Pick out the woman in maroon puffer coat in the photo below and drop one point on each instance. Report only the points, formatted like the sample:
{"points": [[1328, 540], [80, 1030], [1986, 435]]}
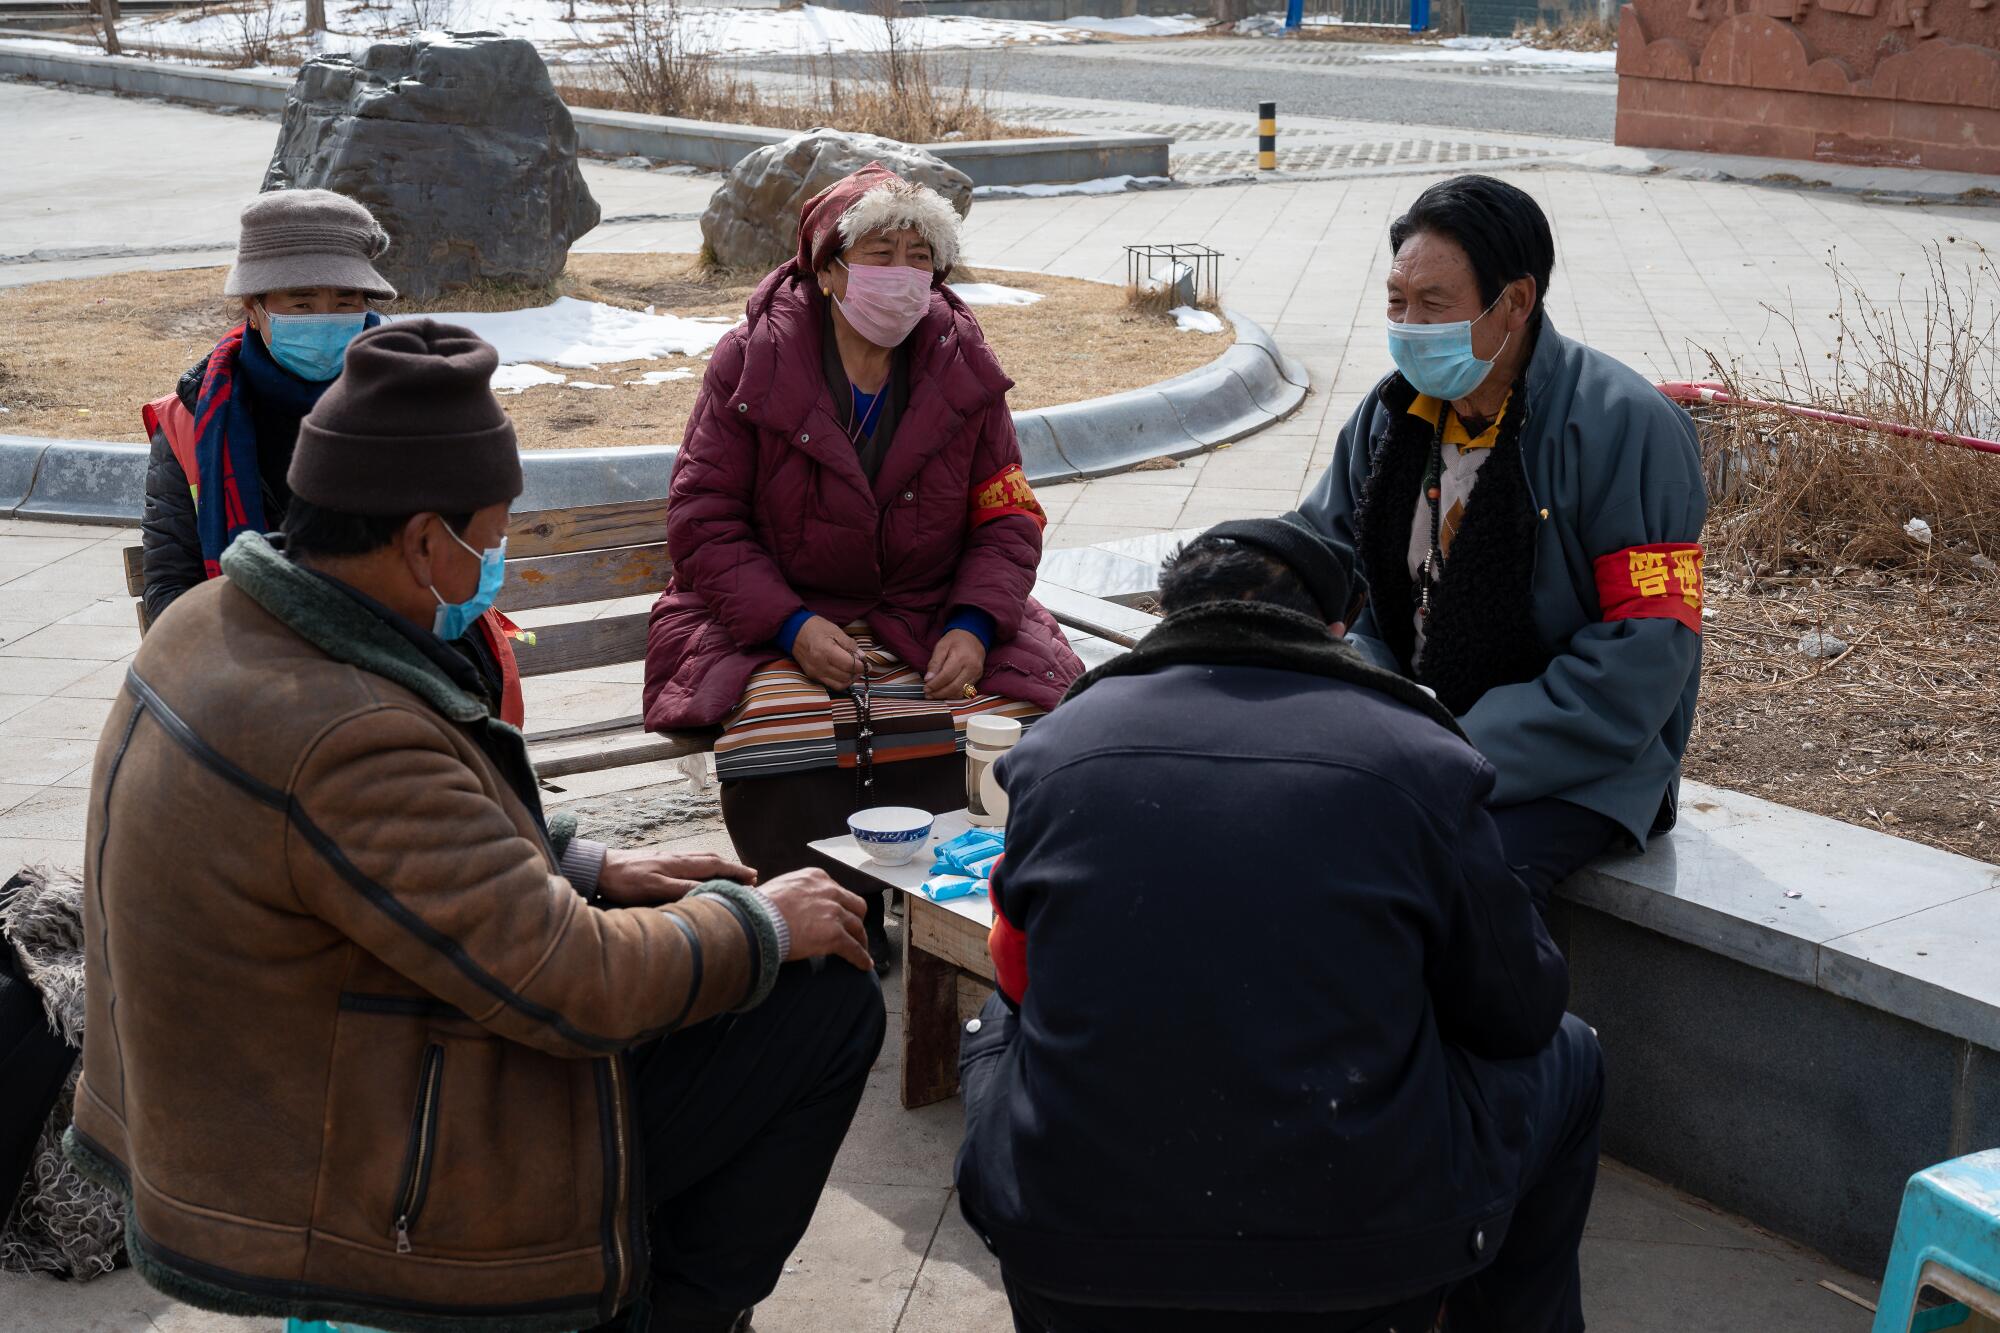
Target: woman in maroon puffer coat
{"points": [[850, 528]]}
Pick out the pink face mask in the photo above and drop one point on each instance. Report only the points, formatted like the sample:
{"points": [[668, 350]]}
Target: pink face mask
{"points": [[884, 302]]}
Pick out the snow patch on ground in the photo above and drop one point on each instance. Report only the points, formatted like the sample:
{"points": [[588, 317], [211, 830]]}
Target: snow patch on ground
{"points": [[663, 376], [1189, 320], [1138, 25], [1102, 185], [582, 335], [1452, 50], [356, 24], [992, 293], [1495, 51], [519, 378]]}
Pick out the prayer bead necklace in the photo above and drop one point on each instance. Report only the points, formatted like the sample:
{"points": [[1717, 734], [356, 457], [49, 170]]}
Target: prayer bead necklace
{"points": [[1433, 566]]}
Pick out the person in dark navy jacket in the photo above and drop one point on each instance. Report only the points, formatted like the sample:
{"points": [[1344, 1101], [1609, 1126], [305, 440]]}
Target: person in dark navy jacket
{"points": [[1280, 1041]]}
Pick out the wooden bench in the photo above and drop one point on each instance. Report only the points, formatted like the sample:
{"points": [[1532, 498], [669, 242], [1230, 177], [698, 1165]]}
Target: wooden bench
{"points": [[571, 557], [591, 554]]}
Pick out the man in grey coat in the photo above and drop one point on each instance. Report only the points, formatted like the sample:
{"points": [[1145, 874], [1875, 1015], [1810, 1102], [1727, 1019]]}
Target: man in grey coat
{"points": [[1528, 514]]}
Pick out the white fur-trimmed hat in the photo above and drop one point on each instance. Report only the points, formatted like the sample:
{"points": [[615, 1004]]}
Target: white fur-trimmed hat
{"points": [[875, 199]]}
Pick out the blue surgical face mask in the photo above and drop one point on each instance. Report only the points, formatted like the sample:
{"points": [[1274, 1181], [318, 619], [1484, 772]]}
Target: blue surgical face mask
{"points": [[312, 346], [453, 619], [1437, 359]]}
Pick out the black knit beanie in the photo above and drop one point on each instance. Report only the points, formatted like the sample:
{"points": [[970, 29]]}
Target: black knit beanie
{"points": [[1324, 565], [411, 426]]}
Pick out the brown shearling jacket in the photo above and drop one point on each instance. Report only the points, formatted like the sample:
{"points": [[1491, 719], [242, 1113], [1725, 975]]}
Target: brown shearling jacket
{"points": [[355, 1047]]}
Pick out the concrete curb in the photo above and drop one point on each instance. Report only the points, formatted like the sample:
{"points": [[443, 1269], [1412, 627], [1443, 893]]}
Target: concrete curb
{"points": [[135, 77], [1245, 389], [707, 144]]}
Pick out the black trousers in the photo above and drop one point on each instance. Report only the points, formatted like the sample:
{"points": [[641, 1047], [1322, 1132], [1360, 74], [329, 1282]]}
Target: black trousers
{"points": [[741, 1117], [1532, 1284], [1549, 840]]}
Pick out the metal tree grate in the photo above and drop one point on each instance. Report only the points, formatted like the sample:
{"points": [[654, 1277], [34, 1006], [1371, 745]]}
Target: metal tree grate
{"points": [[1196, 268]]}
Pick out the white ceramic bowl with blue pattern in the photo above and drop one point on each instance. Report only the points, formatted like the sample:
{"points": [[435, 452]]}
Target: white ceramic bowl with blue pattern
{"points": [[892, 835]]}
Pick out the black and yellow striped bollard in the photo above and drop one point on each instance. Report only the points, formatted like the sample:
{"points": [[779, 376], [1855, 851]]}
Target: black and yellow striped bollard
{"points": [[1267, 136]]}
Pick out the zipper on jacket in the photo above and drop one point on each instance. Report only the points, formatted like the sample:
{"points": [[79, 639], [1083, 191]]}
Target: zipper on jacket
{"points": [[618, 1227], [423, 1144]]}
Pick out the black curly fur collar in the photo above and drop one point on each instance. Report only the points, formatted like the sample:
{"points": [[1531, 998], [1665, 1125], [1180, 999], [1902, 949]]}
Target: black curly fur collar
{"points": [[1481, 632]]}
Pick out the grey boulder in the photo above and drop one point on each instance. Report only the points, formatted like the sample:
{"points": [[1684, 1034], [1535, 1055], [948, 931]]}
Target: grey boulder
{"points": [[457, 144], [752, 220]]}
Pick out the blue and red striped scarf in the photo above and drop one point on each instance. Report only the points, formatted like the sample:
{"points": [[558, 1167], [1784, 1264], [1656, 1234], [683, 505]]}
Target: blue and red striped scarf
{"points": [[229, 498]]}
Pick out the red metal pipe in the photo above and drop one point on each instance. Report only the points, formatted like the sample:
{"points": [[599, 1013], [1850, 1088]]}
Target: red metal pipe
{"points": [[1708, 391]]}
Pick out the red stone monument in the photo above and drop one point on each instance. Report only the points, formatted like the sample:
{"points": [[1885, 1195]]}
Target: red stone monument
{"points": [[1905, 83]]}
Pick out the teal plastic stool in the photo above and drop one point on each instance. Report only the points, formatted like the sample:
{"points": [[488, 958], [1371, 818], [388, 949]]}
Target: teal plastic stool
{"points": [[321, 1326], [1947, 1238]]}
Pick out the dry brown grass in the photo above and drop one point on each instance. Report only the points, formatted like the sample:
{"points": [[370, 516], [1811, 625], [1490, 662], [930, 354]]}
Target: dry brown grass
{"points": [[1372, 34], [1806, 534], [1585, 34], [1158, 300], [1900, 733], [79, 358], [855, 106]]}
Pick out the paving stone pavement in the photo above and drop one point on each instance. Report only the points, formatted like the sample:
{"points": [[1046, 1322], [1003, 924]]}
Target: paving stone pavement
{"points": [[1653, 270]]}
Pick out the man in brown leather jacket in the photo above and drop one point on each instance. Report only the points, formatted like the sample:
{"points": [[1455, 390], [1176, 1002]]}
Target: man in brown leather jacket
{"points": [[370, 1038]]}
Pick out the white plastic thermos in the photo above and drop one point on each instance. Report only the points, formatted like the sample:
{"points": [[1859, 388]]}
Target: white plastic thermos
{"points": [[986, 739]]}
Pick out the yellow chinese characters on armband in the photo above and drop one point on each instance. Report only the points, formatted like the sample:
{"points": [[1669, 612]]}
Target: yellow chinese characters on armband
{"points": [[1006, 492], [1661, 581]]}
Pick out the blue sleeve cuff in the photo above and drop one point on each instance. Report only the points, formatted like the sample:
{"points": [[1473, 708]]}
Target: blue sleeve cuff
{"points": [[788, 633], [974, 622]]}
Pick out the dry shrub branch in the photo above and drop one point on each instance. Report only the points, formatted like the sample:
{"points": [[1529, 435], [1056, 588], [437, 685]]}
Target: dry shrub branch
{"points": [[902, 93], [658, 70], [1790, 493], [658, 66], [1893, 719]]}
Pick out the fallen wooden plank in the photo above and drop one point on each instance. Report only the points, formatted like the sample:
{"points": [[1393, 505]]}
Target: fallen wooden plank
{"points": [[1105, 620], [1845, 1294]]}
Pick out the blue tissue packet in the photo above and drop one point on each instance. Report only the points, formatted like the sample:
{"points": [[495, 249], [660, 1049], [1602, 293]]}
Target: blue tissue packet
{"points": [[944, 888], [972, 853]]}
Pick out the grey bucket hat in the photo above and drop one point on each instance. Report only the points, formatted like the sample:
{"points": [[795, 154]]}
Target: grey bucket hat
{"points": [[307, 238]]}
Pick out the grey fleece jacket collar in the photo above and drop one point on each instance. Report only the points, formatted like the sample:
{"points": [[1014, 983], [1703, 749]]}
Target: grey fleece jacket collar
{"points": [[341, 627]]}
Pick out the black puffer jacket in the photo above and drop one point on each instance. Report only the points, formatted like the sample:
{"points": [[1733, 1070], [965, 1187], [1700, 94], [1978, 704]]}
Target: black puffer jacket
{"points": [[1279, 978], [167, 528]]}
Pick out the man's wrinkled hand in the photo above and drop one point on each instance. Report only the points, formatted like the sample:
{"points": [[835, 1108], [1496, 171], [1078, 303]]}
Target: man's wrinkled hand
{"points": [[645, 876], [960, 660], [824, 918], [825, 652]]}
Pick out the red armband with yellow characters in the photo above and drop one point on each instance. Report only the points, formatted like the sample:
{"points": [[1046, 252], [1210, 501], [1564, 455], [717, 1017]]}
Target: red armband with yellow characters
{"points": [[1657, 582], [1006, 492]]}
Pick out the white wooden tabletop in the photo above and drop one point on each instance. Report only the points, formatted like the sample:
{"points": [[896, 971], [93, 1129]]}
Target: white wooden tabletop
{"points": [[910, 876]]}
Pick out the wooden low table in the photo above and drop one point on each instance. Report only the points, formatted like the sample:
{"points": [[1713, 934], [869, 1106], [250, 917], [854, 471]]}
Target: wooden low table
{"points": [[947, 973]]}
